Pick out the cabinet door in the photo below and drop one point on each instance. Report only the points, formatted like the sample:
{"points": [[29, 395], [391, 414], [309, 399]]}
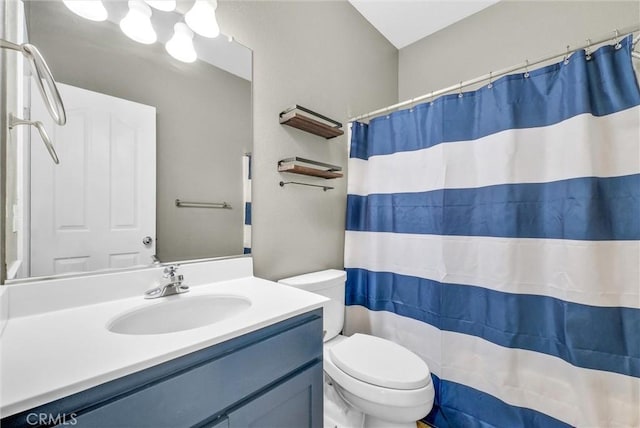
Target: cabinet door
{"points": [[295, 403]]}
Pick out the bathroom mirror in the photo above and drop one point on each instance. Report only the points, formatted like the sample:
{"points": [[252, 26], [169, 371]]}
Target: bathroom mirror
{"points": [[200, 134]]}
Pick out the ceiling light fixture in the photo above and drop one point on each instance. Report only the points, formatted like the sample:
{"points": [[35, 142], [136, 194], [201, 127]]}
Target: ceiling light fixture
{"points": [[137, 24], [163, 5], [180, 46], [89, 9], [202, 18]]}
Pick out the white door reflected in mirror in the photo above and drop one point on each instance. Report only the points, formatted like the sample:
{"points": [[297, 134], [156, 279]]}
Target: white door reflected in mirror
{"points": [[108, 147]]}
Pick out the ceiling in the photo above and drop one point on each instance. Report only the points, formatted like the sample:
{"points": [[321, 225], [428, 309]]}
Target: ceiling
{"points": [[404, 22]]}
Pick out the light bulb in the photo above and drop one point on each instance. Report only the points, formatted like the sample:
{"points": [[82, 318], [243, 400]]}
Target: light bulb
{"points": [[163, 5], [180, 46], [89, 9], [202, 18], [137, 24]]}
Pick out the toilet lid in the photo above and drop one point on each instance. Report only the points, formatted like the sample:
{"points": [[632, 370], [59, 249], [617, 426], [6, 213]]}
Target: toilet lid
{"points": [[380, 362]]}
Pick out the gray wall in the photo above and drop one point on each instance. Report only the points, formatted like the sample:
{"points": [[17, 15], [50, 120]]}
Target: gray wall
{"points": [[503, 35], [325, 56], [203, 123]]}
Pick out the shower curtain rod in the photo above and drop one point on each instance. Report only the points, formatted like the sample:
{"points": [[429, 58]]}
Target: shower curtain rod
{"points": [[494, 75]]}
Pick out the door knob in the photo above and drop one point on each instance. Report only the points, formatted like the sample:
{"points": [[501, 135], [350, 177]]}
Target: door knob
{"points": [[147, 241]]}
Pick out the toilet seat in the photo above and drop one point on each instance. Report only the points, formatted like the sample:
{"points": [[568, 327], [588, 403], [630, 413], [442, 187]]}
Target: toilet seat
{"points": [[382, 397], [380, 362]]}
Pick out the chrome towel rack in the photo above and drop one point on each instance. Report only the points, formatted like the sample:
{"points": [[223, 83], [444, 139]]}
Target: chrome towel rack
{"points": [[325, 188], [48, 89], [14, 121], [185, 204], [50, 92]]}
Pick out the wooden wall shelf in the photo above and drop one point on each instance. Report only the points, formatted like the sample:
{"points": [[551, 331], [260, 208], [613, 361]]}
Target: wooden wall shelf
{"points": [[298, 117], [302, 166]]}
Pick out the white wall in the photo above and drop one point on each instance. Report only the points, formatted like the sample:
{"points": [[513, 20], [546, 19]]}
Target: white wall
{"points": [[325, 56], [505, 34]]}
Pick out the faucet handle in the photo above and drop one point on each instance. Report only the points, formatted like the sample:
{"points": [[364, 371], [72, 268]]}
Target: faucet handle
{"points": [[170, 271]]}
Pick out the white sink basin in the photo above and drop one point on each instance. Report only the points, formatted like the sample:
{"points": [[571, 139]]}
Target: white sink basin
{"points": [[178, 313]]}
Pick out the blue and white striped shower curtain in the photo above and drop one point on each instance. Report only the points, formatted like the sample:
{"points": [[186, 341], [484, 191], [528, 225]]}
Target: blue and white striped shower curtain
{"points": [[497, 235]]}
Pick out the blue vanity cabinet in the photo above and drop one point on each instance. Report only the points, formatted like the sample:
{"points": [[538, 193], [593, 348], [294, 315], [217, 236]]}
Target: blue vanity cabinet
{"points": [[269, 378]]}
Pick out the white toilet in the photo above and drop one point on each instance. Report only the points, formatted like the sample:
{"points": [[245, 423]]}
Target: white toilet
{"points": [[388, 383]]}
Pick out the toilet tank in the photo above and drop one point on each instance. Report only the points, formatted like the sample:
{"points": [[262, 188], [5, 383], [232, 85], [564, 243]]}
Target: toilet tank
{"points": [[329, 283]]}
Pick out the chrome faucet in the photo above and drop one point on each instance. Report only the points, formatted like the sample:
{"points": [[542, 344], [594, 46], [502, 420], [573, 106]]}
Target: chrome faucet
{"points": [[174, 286]]}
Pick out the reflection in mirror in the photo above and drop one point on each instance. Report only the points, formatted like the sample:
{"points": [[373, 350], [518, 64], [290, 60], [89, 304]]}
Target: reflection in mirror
{"points": [[143, 131]]}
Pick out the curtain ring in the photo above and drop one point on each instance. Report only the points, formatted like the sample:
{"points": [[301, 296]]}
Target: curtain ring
{"points": [[431, 102], [616, 40], [587, 50], [460, 90], [566, 57], [490, 85], [526, 68]]}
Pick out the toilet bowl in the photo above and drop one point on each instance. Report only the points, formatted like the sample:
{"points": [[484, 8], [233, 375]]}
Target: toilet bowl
{"points": [[392, 388], [389, 384]]}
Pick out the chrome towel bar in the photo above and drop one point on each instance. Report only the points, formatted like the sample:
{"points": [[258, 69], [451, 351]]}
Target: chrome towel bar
{"points": [[15, 121], [44, 79], [185, 204]]}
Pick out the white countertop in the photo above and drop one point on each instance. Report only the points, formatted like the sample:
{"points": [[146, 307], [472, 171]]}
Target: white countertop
{"points": [[50, 355]]}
